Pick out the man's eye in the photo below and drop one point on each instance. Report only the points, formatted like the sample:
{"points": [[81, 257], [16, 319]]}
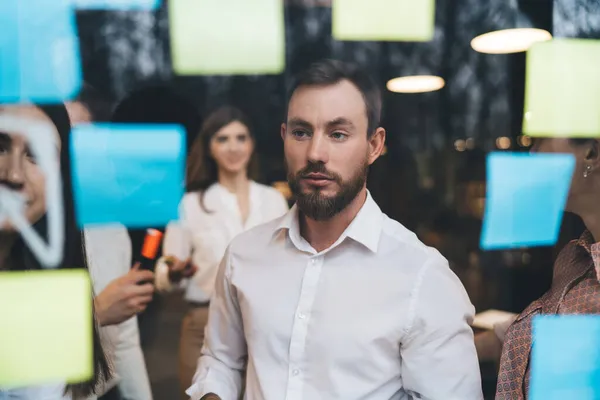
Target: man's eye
{"points": [[339, 135], [299, 133]]}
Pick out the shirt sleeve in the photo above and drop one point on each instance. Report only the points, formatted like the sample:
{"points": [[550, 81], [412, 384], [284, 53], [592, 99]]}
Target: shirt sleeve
{"points": [[130, 364], [439, 360], [224, 353], [123, 339]]}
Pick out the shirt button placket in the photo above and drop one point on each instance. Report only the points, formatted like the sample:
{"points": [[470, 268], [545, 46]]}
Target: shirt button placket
{"points": [[299, 330]]}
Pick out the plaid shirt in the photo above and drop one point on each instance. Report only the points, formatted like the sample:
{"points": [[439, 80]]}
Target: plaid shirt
{"points": [[575, 290]]}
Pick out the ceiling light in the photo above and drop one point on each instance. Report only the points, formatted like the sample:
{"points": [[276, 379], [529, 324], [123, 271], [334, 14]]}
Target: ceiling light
{"points": [[503, 143], [509, 40], [415, 84], [524, 141], [460, 145]]}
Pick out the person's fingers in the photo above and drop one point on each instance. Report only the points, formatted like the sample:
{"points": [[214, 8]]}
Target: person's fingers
{"points": [[141, 308], [143, 300], [146, 289], [190, 271], [141, 275], [179, 266], [136, 266], [171, 260]]}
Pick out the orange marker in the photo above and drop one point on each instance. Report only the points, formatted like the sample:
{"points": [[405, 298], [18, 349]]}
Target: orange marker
{"points": [[150, 248]]}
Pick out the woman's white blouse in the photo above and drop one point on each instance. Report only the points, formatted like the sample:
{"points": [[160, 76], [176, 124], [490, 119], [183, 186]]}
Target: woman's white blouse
{"points": [[203, 235]]}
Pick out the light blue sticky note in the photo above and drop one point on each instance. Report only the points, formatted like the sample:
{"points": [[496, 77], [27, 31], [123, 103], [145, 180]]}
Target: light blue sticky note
{"points": [[39, 51], [525, 199], [121, 5], [127, 173], [565, 358]]}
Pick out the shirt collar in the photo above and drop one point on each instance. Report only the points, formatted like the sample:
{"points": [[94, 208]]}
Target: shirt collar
{"points": [[586, 240], [364, 229]]}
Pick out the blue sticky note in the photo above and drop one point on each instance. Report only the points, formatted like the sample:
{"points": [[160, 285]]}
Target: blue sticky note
{"points": [[127, 173], [525, 199], [121, 5], [39, 51], [565, 358]]}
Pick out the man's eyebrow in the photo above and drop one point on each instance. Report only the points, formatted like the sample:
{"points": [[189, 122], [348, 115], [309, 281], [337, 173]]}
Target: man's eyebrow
{"points": [[300, 122], [341, 121]]}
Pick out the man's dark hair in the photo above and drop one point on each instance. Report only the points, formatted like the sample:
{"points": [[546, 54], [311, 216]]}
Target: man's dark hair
{"points": [[330, 72]]}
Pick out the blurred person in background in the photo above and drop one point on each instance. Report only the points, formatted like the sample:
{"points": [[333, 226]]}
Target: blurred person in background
{"points": [[576, 281], [120, 297], [154, 104], [222, 200], [20, 172], [90, 105]]}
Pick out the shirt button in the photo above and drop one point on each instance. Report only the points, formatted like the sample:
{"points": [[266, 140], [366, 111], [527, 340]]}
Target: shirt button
{"points": [[295, 372], [301, 315], [313, 260]]}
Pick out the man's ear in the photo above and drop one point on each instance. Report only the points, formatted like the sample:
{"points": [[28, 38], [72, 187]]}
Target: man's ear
{"points": [[376, 144], [283, 130]]}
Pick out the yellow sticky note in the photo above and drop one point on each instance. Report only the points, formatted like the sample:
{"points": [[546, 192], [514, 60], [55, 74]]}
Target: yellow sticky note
{"points": [[227, 37], [562, 89], [45, 327], [383, 20]]}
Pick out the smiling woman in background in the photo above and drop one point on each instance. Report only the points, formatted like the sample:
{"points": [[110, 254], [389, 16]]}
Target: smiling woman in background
{"points": [[222, 201], [19, 172]]}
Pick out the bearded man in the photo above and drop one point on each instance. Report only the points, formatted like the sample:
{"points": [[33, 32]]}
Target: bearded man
{"points": [[335, 300]]}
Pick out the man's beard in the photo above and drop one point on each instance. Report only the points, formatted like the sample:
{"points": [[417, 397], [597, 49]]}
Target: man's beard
{"points": [[319, 207]]}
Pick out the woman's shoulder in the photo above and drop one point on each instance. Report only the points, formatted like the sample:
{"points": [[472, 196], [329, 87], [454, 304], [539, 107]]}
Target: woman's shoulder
{"points": [[190, 203], [267, 191]]}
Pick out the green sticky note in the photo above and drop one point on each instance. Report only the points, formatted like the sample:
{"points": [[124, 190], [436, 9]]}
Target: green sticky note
{"points": [[227, 37], [383, 20], [562, 89], [45, 327]]}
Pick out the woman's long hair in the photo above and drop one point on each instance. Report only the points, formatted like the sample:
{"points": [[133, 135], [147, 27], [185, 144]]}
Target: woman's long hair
{"points": [[73, 248], [202, 170]]}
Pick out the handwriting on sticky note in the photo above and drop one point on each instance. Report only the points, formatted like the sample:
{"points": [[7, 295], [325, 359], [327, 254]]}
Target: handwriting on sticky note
{"points": [[565, 359], [131, 174], [46, 327], [227, 37], [525, 199], [383, 20], [42, 33], [562, 90], [42, 143]]}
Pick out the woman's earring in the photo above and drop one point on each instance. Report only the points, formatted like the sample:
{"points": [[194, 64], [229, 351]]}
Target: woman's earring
{"points": [[587, 171]]}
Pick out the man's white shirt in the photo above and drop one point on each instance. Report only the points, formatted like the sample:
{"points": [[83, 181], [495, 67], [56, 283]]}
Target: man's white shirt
{"points": [[378, 315]]}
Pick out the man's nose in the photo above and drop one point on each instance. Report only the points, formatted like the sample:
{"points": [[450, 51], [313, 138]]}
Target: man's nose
{"points": [[318, 150]]}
